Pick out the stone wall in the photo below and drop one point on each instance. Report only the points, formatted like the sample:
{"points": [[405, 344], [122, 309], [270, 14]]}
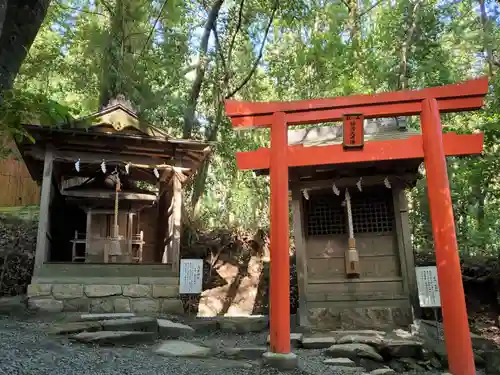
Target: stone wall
{"points": [[105, 298]]}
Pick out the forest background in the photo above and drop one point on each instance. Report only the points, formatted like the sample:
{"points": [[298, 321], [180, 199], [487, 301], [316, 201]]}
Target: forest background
{"points": [[177, 61]]}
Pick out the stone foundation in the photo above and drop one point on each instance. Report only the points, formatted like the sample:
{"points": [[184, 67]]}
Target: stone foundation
{"points": [[360, 318], [147, 298]]}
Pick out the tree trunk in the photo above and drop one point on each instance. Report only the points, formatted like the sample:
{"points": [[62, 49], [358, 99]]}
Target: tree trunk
{"points": [[194, 93], [486, 37], [20, 21], [405, 48]]}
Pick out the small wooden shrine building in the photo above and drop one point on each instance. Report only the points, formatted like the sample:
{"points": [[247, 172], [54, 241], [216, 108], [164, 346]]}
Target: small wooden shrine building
{"points": [[110, 211]]}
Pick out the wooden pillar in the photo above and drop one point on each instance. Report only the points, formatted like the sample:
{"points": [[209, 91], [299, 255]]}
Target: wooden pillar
{"points": [[162, 224], [405, 246], [455, 321], [88, 234], [176, 220], [300, 255], [280, 258], [42, 243]]}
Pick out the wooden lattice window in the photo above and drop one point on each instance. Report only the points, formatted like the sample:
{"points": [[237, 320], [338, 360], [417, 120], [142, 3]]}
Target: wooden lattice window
{"points": [[372, 212]]}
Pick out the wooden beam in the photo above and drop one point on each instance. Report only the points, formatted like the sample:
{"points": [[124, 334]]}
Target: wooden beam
{"points": [[396, 149], [351, 181], [373, 111], [97, 158], [109, 195], [42, 244], [300, 255], [471, 88]]}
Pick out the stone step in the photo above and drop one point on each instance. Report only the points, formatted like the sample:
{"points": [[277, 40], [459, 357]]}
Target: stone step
{"points": [[111, 338], [168, 329], [74, 328], [104, 316], [137, 323]]}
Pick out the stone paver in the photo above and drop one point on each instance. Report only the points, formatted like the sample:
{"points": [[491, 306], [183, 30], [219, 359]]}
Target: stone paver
{"points": [[177, 348], [341, 362], [137, 323], [172, 330], [318, 342]]}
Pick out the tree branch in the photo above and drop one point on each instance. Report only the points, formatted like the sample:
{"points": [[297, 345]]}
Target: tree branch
{"points": [[259, 57], [236, 31], [194, 92], [370, 8], [218, 46], [61, 5], [346, 4]]}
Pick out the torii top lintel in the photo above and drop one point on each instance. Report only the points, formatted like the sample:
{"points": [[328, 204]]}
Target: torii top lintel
{"points": [[465, 96]]}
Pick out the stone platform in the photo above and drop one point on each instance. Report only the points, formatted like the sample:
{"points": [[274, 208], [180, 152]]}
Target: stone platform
{"points": [[105, 288]]}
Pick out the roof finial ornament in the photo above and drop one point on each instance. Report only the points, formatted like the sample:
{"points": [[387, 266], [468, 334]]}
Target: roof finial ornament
{"points": [[120, 99]]}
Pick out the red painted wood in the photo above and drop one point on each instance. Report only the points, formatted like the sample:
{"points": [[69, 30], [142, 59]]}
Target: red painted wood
{"points": [[400, 149], [374, 111], [456, 325], [280, 258], [475, 87]]}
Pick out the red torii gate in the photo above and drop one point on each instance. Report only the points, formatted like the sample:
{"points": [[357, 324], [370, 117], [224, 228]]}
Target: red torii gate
{"points": [[433, 146]]}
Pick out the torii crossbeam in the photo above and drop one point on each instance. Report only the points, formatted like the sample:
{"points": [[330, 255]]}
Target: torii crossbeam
{"points": [[433, 146]]}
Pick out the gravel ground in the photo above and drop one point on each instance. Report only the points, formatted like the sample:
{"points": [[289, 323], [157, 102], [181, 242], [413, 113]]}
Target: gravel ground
{"points": [[26, 349]]}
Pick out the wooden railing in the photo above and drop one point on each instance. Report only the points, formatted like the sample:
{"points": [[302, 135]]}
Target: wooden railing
{"points": [[134, 247]]}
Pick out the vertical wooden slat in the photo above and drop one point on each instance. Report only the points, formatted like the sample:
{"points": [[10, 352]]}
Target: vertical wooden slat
{"points": [[300, 254], [18, 187], [177, 221], [42, 245]]}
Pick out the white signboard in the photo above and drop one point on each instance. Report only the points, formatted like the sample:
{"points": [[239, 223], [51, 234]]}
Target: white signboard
{"points": [[191, 278], [428, 287]]}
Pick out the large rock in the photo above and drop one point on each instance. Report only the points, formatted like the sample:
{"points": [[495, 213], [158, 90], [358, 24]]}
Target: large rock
{"points": [[372, 340], [137, 290], [67, 291], [114, 338], [12, 305], [320, 342], [99, 305], [103, 290], [76, 304], [144, 324], [172, 330], [177, 348], [39, 290], [401, 348], [244, 324], [121, 305], [353, 351], [45, 304], [98, 317], [165, 291], [144, 305], [172, 306]]}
